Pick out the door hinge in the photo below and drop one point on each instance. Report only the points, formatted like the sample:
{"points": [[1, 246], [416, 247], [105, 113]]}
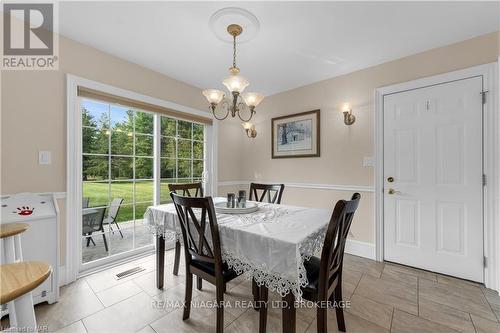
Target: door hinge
{"points": [[484, 179], [483, 96], [485, 262]]}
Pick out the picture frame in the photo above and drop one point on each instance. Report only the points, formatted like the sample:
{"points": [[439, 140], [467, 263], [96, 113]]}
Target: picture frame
{"points": [[296, 135]]}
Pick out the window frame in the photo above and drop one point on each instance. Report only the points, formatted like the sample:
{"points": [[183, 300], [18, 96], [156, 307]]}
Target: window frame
{"points": [[74, 266]]}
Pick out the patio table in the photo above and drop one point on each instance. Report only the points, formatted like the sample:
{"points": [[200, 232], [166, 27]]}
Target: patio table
{"points": [[270, 244]]}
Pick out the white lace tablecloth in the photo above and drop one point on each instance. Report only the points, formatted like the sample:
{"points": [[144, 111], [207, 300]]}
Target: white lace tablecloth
{"points": [[271, 244]]}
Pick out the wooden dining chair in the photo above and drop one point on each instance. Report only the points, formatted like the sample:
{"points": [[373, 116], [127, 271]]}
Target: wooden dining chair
{"points": [[324, 275], [276, 190], [187, 189], [203, 256]]}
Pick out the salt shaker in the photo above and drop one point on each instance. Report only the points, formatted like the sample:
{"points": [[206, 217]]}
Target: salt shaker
{"points": [[230, 200], [242, 199]]}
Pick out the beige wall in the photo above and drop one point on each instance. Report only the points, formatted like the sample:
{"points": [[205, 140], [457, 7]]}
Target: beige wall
{"points": [[343, 147]]}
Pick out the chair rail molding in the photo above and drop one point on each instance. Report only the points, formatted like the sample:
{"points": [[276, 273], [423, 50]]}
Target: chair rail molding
{"points": [[57, 195], [334, 187], [491, 161]]}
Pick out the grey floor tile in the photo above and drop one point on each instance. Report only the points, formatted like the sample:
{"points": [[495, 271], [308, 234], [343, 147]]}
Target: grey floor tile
{"points": [[389, 291], [494, 299], [353, 323], [118, 293], [378, 313], [147, 329], [456, 282], [363, 265], [249, 323], [445, 315], [76, 327], [147, 282], [484, 325], [76, 301], [394, 268], [470, 300], [404, 322], [129, 315], [201, 319]]}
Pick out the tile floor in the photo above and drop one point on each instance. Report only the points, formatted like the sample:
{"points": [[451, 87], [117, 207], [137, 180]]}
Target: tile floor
{"points": [[384, 297]]}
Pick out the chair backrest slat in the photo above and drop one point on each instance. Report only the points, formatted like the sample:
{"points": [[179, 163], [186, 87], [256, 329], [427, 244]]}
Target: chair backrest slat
{"points": [[199, 228], [187, 188], [266, 189], [332, 255]]}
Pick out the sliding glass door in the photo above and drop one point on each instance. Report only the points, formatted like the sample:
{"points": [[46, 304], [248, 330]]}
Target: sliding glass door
{"points": [[182, 154], [118, 178]]}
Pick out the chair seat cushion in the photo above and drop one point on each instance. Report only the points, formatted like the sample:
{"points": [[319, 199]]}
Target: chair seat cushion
{"points": [[312, 270], [227, 273]]}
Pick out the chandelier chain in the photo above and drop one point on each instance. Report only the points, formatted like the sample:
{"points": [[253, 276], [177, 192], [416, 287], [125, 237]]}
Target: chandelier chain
{"points": [[234, 51]]}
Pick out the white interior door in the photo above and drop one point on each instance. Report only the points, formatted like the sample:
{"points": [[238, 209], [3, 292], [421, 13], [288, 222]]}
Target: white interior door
{"points": [[433, 205]]}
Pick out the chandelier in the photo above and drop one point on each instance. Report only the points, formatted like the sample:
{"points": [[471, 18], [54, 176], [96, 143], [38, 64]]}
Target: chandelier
{"points": [[242, 104]]}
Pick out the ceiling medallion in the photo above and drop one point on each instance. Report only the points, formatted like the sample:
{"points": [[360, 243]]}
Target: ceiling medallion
{"points": [[239, 103], [226, 16]]}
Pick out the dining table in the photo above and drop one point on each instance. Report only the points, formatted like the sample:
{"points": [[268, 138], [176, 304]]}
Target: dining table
{"points": [[270, 245]]}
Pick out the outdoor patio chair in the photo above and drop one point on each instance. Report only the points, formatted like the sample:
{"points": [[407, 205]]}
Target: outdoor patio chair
{"points": [[85, 202], [92, 221], [113, 213]]}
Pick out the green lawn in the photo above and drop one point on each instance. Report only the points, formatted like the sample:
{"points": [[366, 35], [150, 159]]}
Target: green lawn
{"points": [[99, 195]]}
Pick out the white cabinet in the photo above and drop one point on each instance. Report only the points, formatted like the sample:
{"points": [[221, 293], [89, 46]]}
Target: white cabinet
{"points": [[41, 241]]}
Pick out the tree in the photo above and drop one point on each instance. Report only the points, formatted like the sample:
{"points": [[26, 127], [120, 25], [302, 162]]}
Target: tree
{"points": [[283, 129]]}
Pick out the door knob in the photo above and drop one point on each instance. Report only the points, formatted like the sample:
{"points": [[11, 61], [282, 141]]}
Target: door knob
{"points": [[393, 191], [390, 179]]}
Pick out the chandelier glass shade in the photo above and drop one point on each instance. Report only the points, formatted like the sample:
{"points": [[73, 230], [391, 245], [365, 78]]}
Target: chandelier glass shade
{"points": [[213, 96], [252, 99], [239, 103], [236, 83]]}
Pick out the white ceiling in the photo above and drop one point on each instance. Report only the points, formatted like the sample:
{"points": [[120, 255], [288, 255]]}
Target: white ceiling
{"points": [[298, 43]]}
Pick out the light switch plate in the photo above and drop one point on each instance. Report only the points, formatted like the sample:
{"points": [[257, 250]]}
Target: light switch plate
{"points": [[44, 157], [368, 161]]}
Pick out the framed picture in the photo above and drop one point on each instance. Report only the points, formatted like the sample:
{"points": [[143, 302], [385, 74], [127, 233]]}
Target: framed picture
{"points": [[296, 135]]}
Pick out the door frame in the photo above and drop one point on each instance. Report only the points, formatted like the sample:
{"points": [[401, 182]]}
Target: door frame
{"points": [[74, 170], [491, 161]]}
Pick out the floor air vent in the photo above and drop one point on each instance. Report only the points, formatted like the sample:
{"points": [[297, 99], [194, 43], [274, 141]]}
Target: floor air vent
{"points": [[128, 272]]}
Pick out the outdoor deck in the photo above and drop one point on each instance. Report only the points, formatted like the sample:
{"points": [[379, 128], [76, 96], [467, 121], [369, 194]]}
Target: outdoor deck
{"points": [[116, 243]]}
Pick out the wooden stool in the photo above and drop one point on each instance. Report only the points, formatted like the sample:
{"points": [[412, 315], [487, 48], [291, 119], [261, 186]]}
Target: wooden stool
{"points": [[10, 234], [17, 280]]}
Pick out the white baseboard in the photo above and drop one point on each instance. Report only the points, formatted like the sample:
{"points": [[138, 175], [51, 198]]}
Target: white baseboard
{"points": [[360, 249]]}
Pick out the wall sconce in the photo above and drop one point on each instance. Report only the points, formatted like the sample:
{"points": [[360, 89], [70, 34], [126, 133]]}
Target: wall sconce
{"points": [[250, 129], [349, 118]]}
